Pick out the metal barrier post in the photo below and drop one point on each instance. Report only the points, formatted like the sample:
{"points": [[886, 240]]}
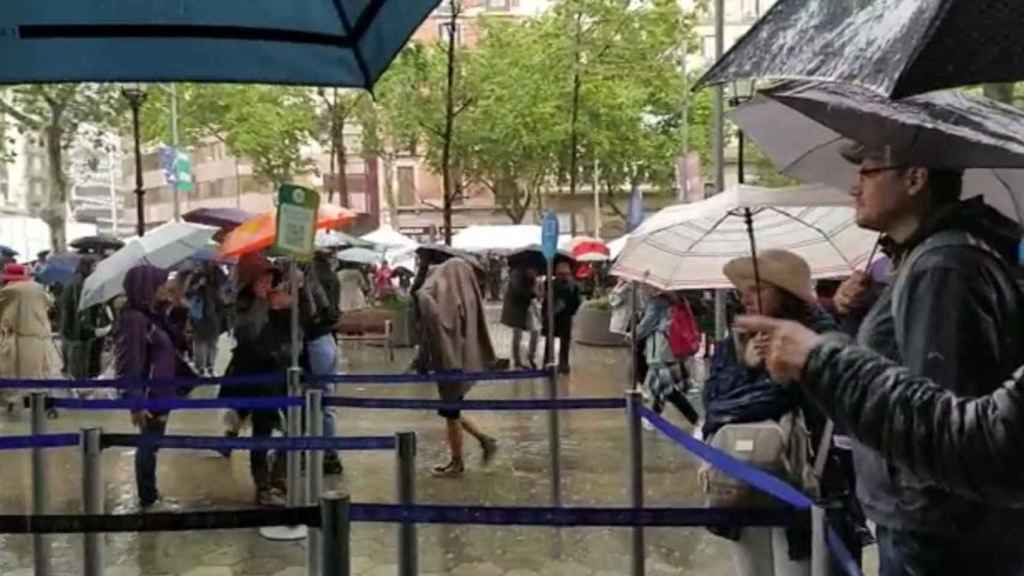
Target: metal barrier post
{"points": [[40, 545], [408, 549], [92, 497], [554, 443], [335, 526], [314, 476], [819, 547], [294, 431], [634, 401]]}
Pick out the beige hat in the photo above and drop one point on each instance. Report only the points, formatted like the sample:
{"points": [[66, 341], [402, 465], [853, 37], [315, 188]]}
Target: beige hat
{"points": [[780, 268]]}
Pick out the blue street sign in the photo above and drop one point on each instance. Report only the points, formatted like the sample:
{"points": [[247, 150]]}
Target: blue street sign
{"points": [[549, 235]]}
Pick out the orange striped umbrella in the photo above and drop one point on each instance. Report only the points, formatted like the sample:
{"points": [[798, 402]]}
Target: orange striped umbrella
{"points": [[259, 232]]}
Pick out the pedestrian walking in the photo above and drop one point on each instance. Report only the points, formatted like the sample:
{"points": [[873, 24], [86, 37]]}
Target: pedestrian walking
{"points": [[669, 336], [263, 335], [353, 288], [567, 303], [145, 350], [517, 314], [952, 313], [454, 338], [27, 350]]}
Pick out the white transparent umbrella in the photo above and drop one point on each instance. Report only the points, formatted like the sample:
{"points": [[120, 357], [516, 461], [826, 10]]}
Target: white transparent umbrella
{"points": [[166, 246], [686, 246]]}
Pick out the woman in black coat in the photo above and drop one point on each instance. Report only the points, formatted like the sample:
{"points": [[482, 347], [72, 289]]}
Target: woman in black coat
{"points": [[567, 302], [516, 314]]}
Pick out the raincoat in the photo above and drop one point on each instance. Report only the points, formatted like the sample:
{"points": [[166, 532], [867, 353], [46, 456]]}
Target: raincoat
{"points": [[352, 291], [453, 325], [145, 342], [26, 343]]}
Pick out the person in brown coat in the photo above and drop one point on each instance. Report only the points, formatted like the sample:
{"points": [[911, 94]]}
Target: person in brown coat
{"points": [[454, 338]]}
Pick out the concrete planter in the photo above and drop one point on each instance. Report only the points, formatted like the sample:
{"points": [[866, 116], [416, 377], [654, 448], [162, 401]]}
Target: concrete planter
{"points": [[590, 327]]}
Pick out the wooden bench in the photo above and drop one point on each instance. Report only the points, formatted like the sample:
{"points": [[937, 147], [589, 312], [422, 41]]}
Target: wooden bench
{"points": [[373, 326]]}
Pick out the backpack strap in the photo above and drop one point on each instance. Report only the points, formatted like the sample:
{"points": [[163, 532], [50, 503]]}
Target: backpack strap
{"points": [[943, 239]]}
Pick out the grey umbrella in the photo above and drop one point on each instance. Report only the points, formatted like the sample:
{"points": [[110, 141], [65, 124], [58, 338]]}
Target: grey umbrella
{"points": [[803, 127], [894, 47]]}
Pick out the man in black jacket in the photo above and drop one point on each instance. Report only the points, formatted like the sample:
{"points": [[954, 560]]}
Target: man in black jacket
{"points": [[953, 313]]}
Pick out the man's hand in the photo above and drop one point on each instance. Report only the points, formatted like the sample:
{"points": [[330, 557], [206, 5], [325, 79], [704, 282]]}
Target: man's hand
{"points": [[786, 345], [141, 417], [851, 293]]}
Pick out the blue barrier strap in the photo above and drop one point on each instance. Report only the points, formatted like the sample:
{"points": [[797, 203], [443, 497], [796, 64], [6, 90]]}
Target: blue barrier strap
{"points": [[431, 378], [129, 383], [40, 441], [530, 516], [493, 405], [271, 443], [168, 404], [731, 466], [840, 555]]}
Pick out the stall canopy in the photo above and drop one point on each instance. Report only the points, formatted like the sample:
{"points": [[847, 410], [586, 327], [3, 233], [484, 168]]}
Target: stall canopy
{"points": [[499, 239], [387, 237], [310, 42]]}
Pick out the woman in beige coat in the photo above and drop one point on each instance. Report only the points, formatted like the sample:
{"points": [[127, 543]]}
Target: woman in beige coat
{"points": [[27, 349]]}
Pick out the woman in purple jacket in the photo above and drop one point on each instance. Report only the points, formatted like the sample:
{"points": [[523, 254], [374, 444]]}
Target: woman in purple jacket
{"points": [[145, 351]]}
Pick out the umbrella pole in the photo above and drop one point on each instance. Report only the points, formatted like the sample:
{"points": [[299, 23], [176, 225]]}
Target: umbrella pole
{"points": [[749, 219]]}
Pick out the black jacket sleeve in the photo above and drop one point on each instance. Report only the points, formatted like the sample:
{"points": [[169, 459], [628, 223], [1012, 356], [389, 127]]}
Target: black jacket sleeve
{"points": [[969, 445]]}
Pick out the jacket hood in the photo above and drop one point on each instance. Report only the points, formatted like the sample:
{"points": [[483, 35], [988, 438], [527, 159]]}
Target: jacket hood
{"points": [[982, 221], [140, 285]]}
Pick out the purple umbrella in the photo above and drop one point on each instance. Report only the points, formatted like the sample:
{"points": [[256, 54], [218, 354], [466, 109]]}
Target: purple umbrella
{"points": [[225, 218]]}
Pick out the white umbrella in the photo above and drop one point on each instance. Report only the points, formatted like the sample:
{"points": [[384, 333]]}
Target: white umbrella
{"points": [[498, 238], [616, 246], [387, 237], [164, 247], [687, 245], [360, 256], [803, 127]]}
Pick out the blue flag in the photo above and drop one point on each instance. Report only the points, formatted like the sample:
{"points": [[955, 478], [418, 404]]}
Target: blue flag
{"points": [[635, 216]]}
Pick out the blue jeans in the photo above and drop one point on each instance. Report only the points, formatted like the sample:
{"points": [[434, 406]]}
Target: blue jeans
{"points": [[145, 461], [323, 355]]}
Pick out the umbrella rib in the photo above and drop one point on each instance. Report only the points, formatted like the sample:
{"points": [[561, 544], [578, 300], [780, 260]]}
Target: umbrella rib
{"points": [[87, 31], [373, 8], [1009, 191], [709, 231], [814, 149], [818, 230]]}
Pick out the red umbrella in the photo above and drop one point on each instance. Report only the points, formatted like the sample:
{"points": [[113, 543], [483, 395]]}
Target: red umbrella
{"points": [[587, 249]]}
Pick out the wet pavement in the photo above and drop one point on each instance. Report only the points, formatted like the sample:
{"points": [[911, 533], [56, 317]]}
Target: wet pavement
{"points": [[594, 474]]}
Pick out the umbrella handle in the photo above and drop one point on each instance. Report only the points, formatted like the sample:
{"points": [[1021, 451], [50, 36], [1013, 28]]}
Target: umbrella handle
{"points": [[749, 219]]}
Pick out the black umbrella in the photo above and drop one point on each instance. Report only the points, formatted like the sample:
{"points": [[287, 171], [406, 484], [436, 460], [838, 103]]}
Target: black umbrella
{"points": [[7, 251], [894, 47], [97, 244], [533, 257]]}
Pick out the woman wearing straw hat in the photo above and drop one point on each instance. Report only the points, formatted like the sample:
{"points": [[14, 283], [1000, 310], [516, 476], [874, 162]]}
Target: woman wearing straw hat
{"points": [[739, 391]]}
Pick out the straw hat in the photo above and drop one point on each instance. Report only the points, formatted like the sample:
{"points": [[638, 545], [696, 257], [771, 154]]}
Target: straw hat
{"points": [[14, 273], [780, 268]]}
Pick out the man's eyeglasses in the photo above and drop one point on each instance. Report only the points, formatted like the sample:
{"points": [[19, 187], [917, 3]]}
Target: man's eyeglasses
{"points": [[869, 172]]}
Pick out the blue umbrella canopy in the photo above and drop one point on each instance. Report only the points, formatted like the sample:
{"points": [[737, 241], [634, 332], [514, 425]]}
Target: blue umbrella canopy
{"points": [[313, 42]]}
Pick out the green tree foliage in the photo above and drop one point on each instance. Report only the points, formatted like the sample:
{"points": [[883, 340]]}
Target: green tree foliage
{"points": [[59, 114]]}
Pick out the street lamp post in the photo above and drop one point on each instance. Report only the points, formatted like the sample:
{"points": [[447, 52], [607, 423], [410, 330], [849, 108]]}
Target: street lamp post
{"points": [[135, 96]]}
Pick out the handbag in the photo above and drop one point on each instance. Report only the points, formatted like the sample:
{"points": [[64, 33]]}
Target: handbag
{"points": [[781, 448]]}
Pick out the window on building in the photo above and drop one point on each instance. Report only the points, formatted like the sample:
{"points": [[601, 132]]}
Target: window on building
{"points": [[444, 35], [406, 186], [217, 188], [707, 47], [497, 4]]}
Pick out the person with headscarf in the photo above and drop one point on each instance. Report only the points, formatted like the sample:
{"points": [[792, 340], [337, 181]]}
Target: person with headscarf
{"points": [[26, 343], [146, 351], [263, 336], [454, 338]]}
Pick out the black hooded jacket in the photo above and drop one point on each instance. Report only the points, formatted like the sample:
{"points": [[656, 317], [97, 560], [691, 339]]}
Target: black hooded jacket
{"points": [[961, 325]]}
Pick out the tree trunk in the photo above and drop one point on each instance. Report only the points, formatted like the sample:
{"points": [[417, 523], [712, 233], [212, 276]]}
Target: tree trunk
{"points": [[573, 122], [388, 160], [54, 213], [449, 126], [342, 170]]}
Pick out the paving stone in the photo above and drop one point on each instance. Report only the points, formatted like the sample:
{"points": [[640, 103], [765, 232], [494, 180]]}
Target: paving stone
{"points": [[565, 568], [477, 569], [210, 571], [292, 571]]}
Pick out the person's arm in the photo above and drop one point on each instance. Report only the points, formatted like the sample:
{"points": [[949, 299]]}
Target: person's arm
{"points": [[131, 348], [969, 445]]}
